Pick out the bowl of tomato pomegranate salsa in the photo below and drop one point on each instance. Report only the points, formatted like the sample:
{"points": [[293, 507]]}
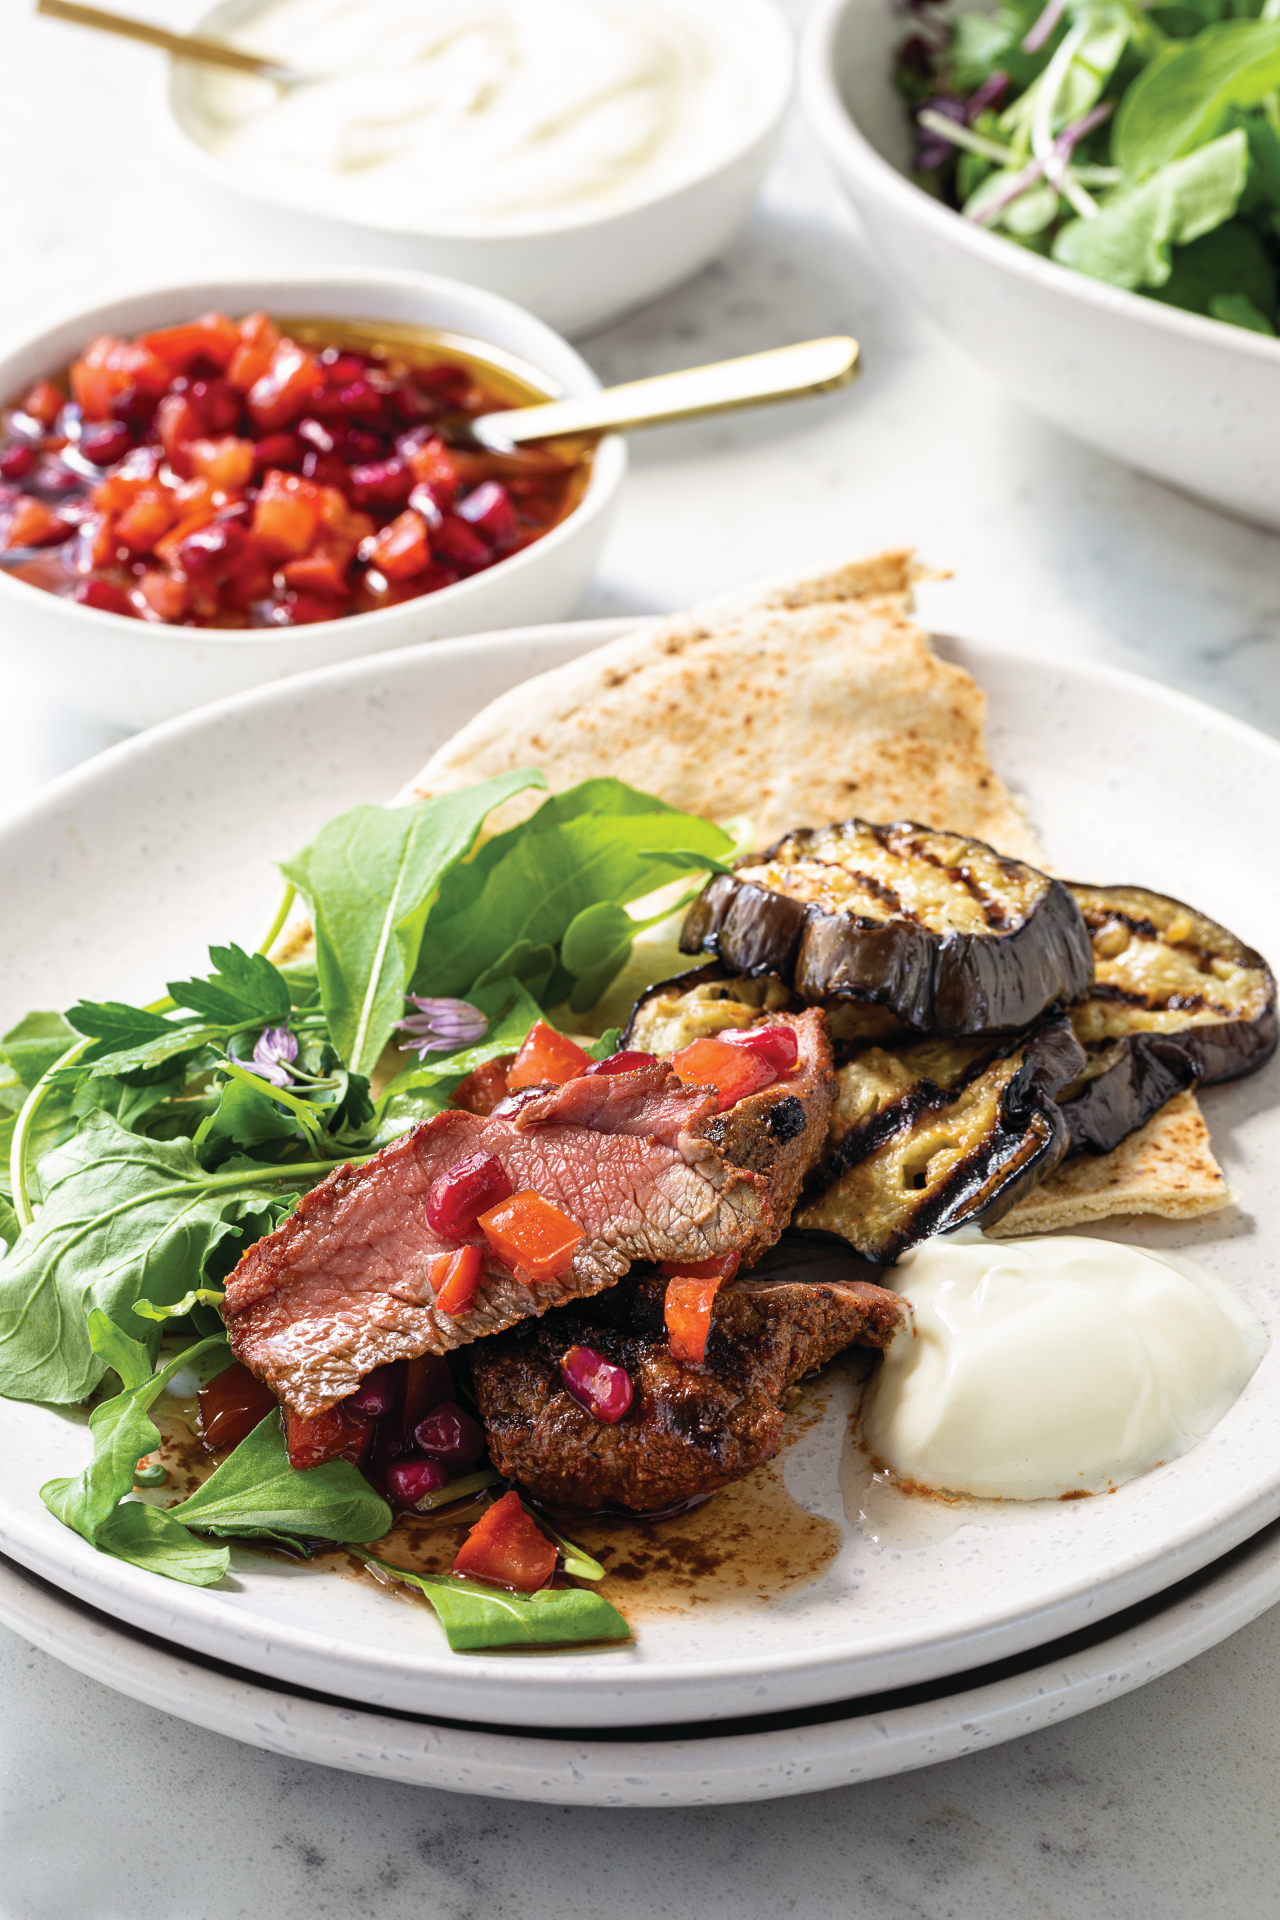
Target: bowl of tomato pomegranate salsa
{"points": [[214, 486]]}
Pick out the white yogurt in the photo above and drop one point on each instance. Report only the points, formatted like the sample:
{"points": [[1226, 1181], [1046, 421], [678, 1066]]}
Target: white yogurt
{"points": [[1053, 1365], [490, 116]]}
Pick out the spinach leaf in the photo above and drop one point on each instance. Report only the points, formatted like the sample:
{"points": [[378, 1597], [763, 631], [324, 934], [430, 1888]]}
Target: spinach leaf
{"points": [[1238, 310], [9, 1228], [1128, 242], [1231, 259], [475, 1616], [256, 1492], [123, 1217], [370, 878], [122, 1432], [1185, 97], [602, 842], [244, 991], [244, 1119], [34, 1046], [426, 1086]]}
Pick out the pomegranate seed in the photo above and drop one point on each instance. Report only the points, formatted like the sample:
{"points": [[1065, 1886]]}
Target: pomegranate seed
{"points": [[325, 469], [382, 483], [777, 1046], [423, 501], [211, 552], [450, 1436], [456, 541], [604, 1389], [464, 1191], [16, 462], [277, 450], [217, 404], [105, 597], [408, 1481], [52, 477], [359, 443], [360, 397], [104, 442], [316, 435], [625, 1062], [489, 510], [375, 1395]]}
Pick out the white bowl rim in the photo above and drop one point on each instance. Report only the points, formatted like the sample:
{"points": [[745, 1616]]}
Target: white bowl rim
{"points": [[838, 132], [760, 128], [608, 467]]}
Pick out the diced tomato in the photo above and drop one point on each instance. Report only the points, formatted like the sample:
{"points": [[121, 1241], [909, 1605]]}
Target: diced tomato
{"points": [[734, 1072], [454, 1278], [332, 1435], [628, 1061], [163, 596], [280, 395], [508, 1548], [528, 1233], [687, 1312], [286, 514], [776, 1045], [225, 463], [259, 338], [102, 542], [483, 1088], [167, 546], [44, 402], [722, 1269], [211, 337], [339, 518], [547, 1058], [402, 549], [32, 524], [316, 572], [106, 597], [434, 465], [231, 1405], [108, 368], [176, 422]]}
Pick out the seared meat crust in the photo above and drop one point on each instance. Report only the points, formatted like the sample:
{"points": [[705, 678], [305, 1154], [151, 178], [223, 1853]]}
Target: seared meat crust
{"points": [[690, 1429], [644, 1165]]}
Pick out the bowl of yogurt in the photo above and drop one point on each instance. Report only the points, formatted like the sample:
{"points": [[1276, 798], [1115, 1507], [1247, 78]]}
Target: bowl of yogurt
{"points": [[578, 156]]}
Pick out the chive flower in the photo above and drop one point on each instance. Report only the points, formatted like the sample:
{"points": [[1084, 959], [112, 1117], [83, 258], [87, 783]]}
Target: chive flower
{"points": [[441, 1025]]}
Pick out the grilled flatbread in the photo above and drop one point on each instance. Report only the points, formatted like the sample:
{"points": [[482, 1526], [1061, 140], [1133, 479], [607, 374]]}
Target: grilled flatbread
{"points": [[1166, 1168], [791, 704]]}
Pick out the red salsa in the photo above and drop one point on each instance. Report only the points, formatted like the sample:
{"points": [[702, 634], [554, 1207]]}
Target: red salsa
{"points": [[224, 474]]}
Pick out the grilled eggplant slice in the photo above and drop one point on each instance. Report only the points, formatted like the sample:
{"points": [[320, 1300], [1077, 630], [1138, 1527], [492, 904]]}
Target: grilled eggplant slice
{"points": [[710, 1000], [1177, 1001], [943, 932], [940, 1133]]}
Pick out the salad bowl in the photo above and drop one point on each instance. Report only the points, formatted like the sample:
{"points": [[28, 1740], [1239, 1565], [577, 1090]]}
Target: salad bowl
{"points": [[1186, 399], [136, 673]]}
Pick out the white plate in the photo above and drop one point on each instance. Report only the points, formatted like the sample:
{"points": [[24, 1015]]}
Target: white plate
{"points": [[119, 873], [672, 1766]]}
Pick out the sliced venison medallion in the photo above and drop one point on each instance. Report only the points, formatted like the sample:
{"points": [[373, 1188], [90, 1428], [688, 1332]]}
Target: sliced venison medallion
{"points": [[1177, 1001], [645, 1166], [689, 1429], [942, 931], [934, 1134]]}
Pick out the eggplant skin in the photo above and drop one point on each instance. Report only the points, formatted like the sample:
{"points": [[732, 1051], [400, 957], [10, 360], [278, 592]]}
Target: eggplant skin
{"points": [[1129, 1081], [937, 1156], [1025, 947]]}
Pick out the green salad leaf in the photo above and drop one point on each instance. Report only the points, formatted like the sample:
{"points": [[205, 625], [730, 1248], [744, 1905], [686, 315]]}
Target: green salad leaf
{"points": [[475, 1616], [246, 990], [1185, 98], [122, 1431], [370, 878], [256, 1493], [1129, 241], [123, 1217]]}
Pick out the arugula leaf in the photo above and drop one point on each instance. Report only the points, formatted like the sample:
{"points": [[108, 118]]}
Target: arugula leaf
{"points": [[244, 991], [123, 1217], [425, 1087], [370, 878], [35, 1045], [1238, 310], [1185, 97], [1231, 259], [244, 1118], [198, 1297], [122, 1431], [602, 842], [475, 1616], [256, 1492], [1128, 241]]}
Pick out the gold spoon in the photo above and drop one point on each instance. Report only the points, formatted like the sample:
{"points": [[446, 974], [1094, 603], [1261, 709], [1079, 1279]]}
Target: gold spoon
{"points": [[187, 46]]}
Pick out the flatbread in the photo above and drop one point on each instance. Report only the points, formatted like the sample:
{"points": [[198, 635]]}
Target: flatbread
{"points": [[1167, 1167], [792, 703]]}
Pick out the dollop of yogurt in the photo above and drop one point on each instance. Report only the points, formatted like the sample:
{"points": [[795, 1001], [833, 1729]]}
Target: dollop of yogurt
{"points": [[489, 116], [1055, 1365]]}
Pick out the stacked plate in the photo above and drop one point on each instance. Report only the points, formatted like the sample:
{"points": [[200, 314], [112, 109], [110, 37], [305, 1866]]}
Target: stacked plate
{"points": [[870, 1633]]}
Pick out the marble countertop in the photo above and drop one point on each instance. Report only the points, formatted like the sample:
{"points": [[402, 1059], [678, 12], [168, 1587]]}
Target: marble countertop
{"points": [[1161, 1804]]}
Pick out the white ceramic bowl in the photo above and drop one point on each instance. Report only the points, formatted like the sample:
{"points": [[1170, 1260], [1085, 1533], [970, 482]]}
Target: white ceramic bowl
{"points": [[576, 272], [1189, 400], [136, 673]]}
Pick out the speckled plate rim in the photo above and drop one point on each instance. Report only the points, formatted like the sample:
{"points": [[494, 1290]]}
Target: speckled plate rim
{"points": [[1162, 1527], [679, 1767]]}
